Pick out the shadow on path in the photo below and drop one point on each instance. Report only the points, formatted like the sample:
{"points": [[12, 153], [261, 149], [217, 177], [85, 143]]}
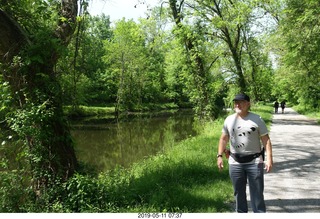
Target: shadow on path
{"points": [[293, 205], [293, 184]]}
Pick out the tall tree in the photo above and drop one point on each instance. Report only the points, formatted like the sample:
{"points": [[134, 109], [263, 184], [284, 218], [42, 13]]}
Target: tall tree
{"points": [[84, 76], [126, 54], [193, 41], [30, 45], [299, 29], [227, 20]]}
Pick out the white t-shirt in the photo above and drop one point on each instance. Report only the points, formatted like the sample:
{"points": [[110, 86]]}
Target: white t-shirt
{"points": [[244, 134]]}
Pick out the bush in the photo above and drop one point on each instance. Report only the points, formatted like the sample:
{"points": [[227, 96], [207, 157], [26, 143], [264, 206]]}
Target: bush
{"points": [[14, 195]]}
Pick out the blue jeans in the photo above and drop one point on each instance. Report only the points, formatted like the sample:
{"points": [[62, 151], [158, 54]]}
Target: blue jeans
{"points": [[253, 172]]}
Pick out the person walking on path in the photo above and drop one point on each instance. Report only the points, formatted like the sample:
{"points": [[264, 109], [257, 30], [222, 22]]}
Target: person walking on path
{"points": [[245, 131], [276, 106], [283, 105]]}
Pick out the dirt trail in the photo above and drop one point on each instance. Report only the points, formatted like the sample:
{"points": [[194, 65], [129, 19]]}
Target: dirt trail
{"points": [[294, 183]]}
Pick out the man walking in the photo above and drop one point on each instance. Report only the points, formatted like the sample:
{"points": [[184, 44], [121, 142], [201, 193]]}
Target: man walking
{"points": [[276, 106], [245, 131]]}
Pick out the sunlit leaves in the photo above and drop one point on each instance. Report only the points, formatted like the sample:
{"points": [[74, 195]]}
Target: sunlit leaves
{"points": [[126, 53], [300, 31]]}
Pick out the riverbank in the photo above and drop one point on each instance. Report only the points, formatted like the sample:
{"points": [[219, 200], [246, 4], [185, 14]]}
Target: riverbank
{"points": [[110, 111], [183, 179]]}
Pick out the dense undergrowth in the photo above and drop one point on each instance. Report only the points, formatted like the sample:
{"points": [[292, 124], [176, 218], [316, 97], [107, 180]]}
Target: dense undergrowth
{"points": [[183, 179]]}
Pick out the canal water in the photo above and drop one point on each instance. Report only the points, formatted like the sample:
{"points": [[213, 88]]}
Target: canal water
{"points": [[105, 144]]}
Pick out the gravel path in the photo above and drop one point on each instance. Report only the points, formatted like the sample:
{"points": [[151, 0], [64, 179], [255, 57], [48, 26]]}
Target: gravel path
{"points": [[294, 183]]}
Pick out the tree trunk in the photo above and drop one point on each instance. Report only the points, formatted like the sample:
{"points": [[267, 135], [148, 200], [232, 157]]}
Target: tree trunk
{"points": [[236, 55], [198, 72], [52, 146]]}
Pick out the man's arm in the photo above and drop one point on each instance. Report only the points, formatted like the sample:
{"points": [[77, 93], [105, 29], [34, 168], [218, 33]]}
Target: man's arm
{"points": [[268, 147], [224, 139]]}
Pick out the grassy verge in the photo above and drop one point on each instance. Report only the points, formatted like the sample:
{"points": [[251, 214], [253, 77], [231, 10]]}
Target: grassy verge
{"points": [[185, 179], [83, 111], [89, 111], [311, 113]]}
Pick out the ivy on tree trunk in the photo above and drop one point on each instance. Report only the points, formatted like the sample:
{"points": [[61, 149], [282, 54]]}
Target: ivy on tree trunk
{"points": [[27, 63]]}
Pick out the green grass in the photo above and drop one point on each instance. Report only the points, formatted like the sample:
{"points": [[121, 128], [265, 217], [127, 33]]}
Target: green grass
{"points": [[83, 111], [311, 113], [89, 111], [184, 179]]}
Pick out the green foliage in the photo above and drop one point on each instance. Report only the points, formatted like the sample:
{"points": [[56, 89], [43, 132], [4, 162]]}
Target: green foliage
{"points": [[144, 63], [298, 75], [176, 76], [28, 11], [83, 73], [140, 66], [137, 79], [14, 194], [310, 112], [33, 120], [5, 99], [15, 191], [32, 126], [84, 194]]}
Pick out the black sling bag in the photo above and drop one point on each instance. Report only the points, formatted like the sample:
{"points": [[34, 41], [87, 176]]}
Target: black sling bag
{"points": [[246, 158]]}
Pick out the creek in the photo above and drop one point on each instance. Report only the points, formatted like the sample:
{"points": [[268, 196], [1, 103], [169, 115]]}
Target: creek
{"points": [[107, 143]]}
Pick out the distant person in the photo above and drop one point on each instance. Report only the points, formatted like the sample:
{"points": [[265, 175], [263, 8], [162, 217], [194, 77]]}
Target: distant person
{"points": [[276, 106], [245, 131], [283, 105]]}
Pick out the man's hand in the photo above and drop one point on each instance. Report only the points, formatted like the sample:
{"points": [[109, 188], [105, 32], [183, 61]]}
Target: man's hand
{"points": [[220, 163], [268, 166]]}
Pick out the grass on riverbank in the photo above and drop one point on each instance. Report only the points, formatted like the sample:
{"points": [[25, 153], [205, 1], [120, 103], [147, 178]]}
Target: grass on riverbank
{"points": [[84, 111], [183, 179], [109, 111]]}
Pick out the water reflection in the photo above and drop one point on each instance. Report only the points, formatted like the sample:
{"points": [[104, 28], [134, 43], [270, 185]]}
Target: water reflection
{"points": [[105, 144]]}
